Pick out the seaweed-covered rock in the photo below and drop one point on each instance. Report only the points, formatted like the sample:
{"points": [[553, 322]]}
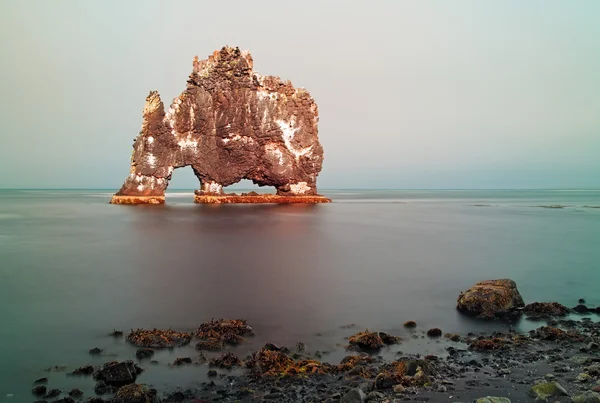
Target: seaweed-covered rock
{"points": [[410, 324], [157, 338], [217, 328], [210, 345], [546, 308], [227, 361], [435, 332], [136, 394], [366, 340], [552, 333], [490, 299]]}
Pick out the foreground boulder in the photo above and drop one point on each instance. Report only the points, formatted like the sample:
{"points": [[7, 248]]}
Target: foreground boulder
{"points": [[490, 299]]}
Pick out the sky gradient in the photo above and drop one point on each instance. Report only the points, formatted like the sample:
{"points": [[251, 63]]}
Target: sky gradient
{"points": [[422, 94]]}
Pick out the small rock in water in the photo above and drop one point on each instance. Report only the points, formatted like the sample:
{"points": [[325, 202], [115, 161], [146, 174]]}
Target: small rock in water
{"points": [[581, 309], [183, 360], [410, 324], [40, 381], [95, 351], [142, 353], [435, 332], [581, 301], [212, 373]]}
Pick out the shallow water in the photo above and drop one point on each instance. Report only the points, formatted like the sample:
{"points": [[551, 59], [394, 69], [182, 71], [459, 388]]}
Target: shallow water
{"points": [[73, 268]]}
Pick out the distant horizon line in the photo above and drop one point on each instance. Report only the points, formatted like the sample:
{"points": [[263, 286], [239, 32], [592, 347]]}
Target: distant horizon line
{"points": [[325, 189]]}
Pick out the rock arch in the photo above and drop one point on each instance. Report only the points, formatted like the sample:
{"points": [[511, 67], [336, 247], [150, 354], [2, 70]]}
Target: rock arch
{"points": [[229, 124]]}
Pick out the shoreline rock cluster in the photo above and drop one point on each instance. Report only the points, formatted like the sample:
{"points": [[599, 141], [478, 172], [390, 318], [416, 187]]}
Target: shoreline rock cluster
{"points": [[557, 362]]}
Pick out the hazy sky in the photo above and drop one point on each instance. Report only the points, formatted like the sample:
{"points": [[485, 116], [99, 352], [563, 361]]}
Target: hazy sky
{"points": [[420, 94]]}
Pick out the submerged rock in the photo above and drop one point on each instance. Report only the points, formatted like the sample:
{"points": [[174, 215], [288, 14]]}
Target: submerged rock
{"points": [[490, 299], [435, 332], [229, 124], [366, 340], [546, 308], [118, 373], [157, 338], [143, 353]]}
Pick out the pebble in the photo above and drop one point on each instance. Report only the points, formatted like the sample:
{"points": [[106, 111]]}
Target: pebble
{"points": [[399, 389]]}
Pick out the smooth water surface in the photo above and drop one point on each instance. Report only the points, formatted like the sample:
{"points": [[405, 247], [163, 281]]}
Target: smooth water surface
{"points": [[73, 268]]}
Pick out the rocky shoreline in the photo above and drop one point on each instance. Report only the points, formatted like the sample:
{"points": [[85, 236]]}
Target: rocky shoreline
{"points": [[558, 362]]}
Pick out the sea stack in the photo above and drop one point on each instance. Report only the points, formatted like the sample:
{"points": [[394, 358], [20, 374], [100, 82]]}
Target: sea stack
{"points": [[229, 124]]}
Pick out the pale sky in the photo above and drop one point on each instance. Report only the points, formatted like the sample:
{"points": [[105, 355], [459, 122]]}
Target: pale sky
{"points": [[419, 94]]}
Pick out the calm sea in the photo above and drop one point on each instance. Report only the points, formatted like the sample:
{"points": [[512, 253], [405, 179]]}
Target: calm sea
{"points": [[73, 268]]}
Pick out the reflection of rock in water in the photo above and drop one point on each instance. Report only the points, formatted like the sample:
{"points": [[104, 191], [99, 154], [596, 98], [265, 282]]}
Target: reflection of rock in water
{"points": [[266, 263], [229, 124]]}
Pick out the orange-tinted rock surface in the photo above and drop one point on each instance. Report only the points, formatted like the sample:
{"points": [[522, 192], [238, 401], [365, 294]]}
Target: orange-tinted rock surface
{"points": [[491, 298], [229, 124]]}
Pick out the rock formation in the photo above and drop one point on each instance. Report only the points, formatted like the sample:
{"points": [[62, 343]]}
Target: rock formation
{"points": [[229, 124], [490, 299]]}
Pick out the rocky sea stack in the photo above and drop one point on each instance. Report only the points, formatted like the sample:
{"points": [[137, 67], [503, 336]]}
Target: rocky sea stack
{"points": [[229, 124]]}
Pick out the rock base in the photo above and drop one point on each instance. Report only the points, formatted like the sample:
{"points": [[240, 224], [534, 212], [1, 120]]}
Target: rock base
{"points": [[137, 200], [259, 198]]}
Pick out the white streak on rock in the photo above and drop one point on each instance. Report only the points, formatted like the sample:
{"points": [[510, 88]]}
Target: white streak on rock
{"points": [[188, 143], [300, 188], [151, 160], [288, 131], [140, 188], [150, 139], [273, 149], [212, 187]]}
